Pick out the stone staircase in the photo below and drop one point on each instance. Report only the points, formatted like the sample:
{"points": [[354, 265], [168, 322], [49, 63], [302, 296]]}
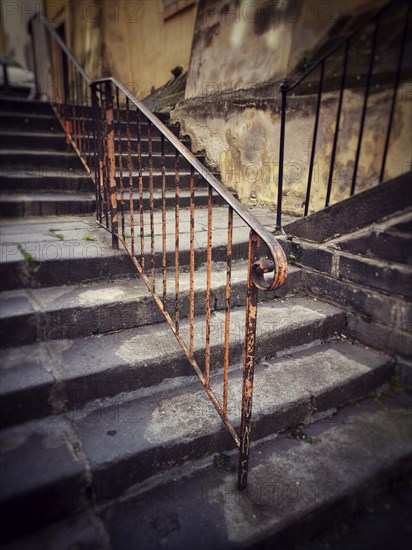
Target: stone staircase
{"points": [[108, 440]]}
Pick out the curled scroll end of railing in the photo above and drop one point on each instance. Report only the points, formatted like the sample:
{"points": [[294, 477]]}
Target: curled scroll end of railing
{"points": [[277, 265]]}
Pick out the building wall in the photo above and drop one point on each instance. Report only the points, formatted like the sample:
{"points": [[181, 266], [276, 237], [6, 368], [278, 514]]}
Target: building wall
{"points": [[240, 53], [14, 36], [128, 40]]}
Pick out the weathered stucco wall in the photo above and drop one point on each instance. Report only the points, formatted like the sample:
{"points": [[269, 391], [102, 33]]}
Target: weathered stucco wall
{"points": [[239, 44], [129, 40], [243, 145], [232, 106]]}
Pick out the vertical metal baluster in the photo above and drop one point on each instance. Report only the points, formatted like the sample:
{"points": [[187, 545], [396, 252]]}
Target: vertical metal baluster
{"points": [[76, 108], [177, 194], [164, 251], [192, 262], [208, 282], [140, 169], [227, 309], [96, 145], [111, 164], [336, 135], [283, 90], [81, 117], [120, 161], [249, 362], [365, 104], [130, 170], [152, 243], [87, 129], [105, 163], [73, 108], [315, 135], [395, 91]]}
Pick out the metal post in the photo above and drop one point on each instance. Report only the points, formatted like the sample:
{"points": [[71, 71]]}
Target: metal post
{"points": [[284, 86], [111, 166], [249, 362]]}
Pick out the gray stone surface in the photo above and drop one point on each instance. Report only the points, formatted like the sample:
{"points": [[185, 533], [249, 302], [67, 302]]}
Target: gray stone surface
{"points": [[294, 487], [356, 212], [104, 365], [42, 480], [142, 437], [82, 310]]}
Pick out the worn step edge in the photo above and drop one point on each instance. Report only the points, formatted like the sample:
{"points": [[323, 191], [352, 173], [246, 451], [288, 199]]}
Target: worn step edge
{"points": [[78, 311], [294, 489], [34, 375], [55, 263], [127, 445]]}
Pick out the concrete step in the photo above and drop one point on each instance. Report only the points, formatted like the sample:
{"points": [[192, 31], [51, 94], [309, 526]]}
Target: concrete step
{"points": [[45, 180], [45, 204], [82, 310], [29, 122], [33, 140], [30, 256], [119, 445], [22, 139], [296, 490], [25, 106], [389, 278], [49, 204], [14, 159], [381, 246], [146, 356]]}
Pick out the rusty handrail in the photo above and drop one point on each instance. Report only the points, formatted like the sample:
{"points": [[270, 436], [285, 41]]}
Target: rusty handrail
{"points": [[92, 101], [242, 211], [62, 45]]}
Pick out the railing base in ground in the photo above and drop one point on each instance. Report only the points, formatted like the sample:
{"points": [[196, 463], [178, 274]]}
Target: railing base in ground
{"points": [[134, 160]]}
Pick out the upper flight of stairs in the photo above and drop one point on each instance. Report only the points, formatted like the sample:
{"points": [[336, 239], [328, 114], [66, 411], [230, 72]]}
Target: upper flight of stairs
{"points": [[107, 437]]}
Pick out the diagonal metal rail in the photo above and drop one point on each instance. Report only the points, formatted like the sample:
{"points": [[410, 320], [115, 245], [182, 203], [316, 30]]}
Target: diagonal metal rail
{"points": [[118, 140]]}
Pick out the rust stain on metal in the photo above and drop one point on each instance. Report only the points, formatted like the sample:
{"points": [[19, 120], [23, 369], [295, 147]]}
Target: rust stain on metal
{"points": [[227, 310], [164, 252], [192, 262], [177, 194], [111, 164], [208, 282]]}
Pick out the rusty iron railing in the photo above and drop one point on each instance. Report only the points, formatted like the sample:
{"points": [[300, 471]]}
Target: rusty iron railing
{"points": [[319, 82], [115, 135]]}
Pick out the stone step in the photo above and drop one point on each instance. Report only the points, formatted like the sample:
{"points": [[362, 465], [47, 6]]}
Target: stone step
{"points": [[39, 140], [55, 204], [15, 180], [32, 376], [45, 204], [33, 140], [75, 311], [103, 452], [14, 159], [31, 256], [296, 491], [25, 106], [30, 122], [20, 181], [380, 246]]}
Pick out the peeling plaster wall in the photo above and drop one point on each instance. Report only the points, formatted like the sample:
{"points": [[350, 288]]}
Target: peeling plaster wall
{"points": [[129, 40], [231, 110], [243, 144]]}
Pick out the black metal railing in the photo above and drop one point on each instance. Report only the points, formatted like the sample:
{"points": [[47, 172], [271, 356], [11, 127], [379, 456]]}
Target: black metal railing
{"points": [[331, 75], [116, 135]]}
